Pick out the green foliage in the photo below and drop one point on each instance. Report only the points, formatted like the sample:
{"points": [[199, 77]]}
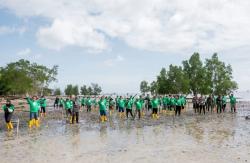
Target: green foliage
{"points": [[94, 89], [213, 77], [144, 87], [57, 92], [71, 90], [219, 76], [22, 76]]}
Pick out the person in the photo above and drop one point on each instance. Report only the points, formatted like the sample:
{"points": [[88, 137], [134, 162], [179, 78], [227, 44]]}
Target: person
{"points": [[117, 102], [138, 106], [178, 105], [94, 102], [34, 105], [102, 108], [165, 103], [121, 104], [184, 102], [68, 108], [209, 103], [219, 104], [56, 103], [148, 103], [202, 104], [233, 103], [75, 110], [155, 106], [61, 103], [195, 103], [111, 106], [172, 102], [43, 104], [224, 103], [88, 104], [129, 106], [83, 102], [8, 109]]}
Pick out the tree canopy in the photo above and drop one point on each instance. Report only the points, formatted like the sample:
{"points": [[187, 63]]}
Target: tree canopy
{"points": [[194, 76], [22, 76]]}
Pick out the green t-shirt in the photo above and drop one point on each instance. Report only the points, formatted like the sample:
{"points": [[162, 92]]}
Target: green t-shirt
{"points": [[67, 104], [102, 105], [130, 103], [173, 101], [88, 102], [179, 102], [34, 105], [155, 103], [10, 109], [121, 103], [232, 100], [83, 101], [138, 105], [43, 102]]}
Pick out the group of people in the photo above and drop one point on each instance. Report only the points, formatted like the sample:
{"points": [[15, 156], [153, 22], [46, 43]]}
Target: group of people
{"points": [[37, 108], [202, 104], [126, 106]]}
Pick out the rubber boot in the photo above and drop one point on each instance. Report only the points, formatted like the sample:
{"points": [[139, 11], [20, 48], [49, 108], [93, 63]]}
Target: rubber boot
{"points": [[10, 125], [70, 119], [30, 123], [120, 115], [153, 116], [157, 116], [105, 118], [37, 123], [7, 126], [102, 119]]}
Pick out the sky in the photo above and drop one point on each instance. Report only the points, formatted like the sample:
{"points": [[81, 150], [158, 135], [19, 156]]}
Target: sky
{"points": [[119, 43]]}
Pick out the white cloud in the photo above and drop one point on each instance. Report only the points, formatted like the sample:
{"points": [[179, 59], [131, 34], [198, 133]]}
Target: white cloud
{"points": [[10, 30], [160, 25], [113, 61], [24, 52], [27, 54]]}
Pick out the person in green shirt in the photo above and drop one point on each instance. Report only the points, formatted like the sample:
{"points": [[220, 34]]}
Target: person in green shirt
{"points": [[94, 102], [102, 108], [34, 105], [143, 110], [172, 103], [179, 105], [83, 102], [111, 106], [155, 106], [165, 103], [129, 106], [43, 104], [183, 98], [224, 103], [8, 109], [88, 104], [233, 103], [61, 103], [138, 105], [68, 108], [121, 104]]}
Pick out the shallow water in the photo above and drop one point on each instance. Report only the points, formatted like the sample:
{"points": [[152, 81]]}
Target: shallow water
{"points": [[213, 138]]}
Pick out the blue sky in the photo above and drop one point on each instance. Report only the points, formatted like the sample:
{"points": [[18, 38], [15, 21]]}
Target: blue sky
{"points": [[119, 44]]}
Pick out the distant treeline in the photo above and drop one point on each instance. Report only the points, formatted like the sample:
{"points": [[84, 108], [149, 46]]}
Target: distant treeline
{"points": [[194, 76], [70, 89], [20, 77]]}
